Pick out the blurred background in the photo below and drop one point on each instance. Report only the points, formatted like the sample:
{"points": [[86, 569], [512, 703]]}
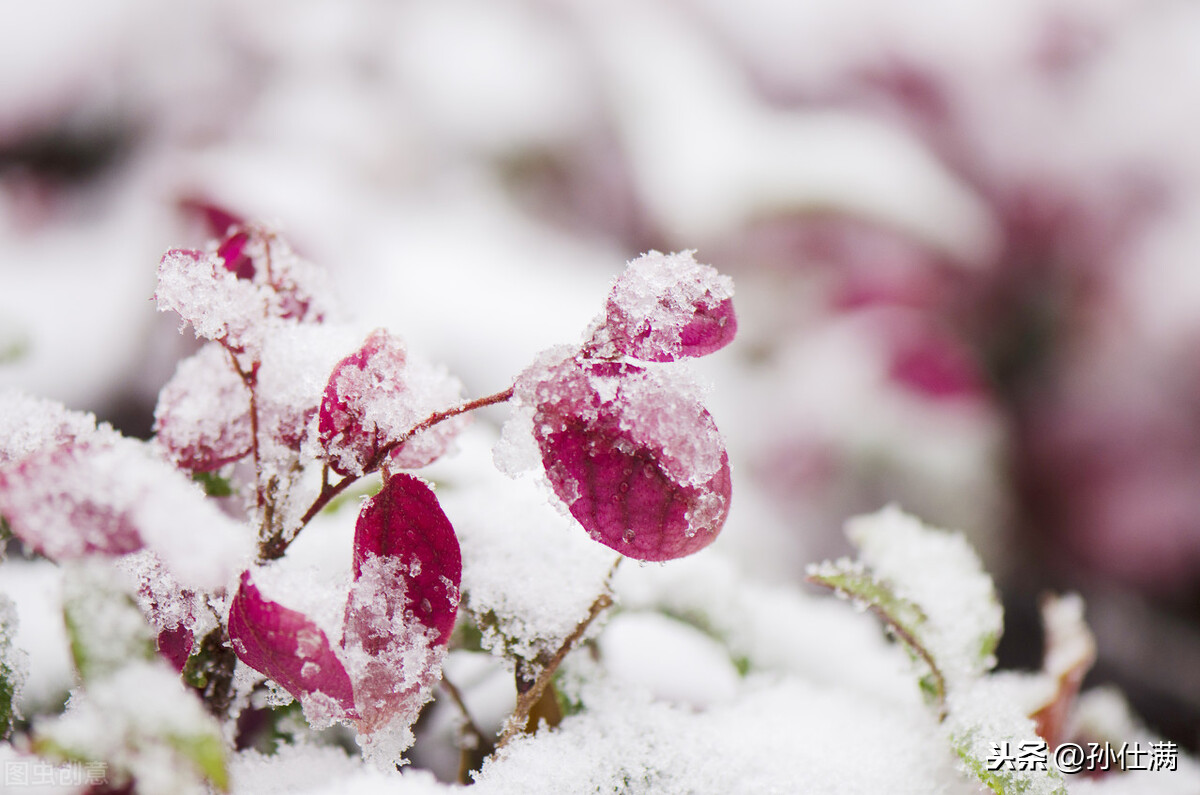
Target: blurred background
{"points": [[965, 238]]}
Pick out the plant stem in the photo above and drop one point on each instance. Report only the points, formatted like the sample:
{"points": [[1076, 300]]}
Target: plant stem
{"points": [[273, 549], [475, 745], [530, 696]]}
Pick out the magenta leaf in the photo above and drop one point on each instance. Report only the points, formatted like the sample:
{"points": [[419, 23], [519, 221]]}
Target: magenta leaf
{"points": [[932, 363], [373, 400], [637, 460], [175, 645], [203, 414], [65, 502], [404, 522], [353, 422], [288, 647], [232, 252], [402, 604], [665, 307]]}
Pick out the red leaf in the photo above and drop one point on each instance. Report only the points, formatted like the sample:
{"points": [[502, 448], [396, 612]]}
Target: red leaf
{"points": [[404, 522], [663, 308], [639, 464], [352, 429], [288, 647], [60, 501], [203, 414]]}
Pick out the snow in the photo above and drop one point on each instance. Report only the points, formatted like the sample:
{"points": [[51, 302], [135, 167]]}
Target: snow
{"points": [[940, 573], [500, 524]]}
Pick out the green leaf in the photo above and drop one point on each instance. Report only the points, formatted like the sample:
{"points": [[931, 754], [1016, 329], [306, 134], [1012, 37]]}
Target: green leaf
{"points": [[906, 620], [207, 752], [106, 630], [11, 667], [214, 485]]}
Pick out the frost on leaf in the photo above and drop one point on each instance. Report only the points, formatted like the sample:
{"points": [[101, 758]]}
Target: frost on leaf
{"points": [[632, 453], [988, 714], [930, 587], [374, 397], [105, 628], [239, 288], [405, 522], [202, 418], [109, 495], [288, 647], [665, 307], [153, 735], [12, 667], [29, 424], [401, 609]]}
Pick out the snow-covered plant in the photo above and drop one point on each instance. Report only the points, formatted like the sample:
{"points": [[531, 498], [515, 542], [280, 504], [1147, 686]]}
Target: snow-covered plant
{"points": [[176, 547]]}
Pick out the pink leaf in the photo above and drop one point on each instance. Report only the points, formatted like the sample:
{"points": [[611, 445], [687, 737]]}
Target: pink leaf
{"points": [[637, 460], [402, 604], [233, 252], [65, 502], [374, 398], [203, 414], [288, 647], [351, 424], [665, 307], [405, 522], [175, 645]]}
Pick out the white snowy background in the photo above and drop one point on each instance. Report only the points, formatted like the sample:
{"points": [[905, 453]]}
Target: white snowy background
{"points": [[1009, 189]]}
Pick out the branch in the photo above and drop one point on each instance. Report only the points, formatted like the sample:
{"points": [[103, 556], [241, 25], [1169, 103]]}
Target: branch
{"points": [[516, 723]]}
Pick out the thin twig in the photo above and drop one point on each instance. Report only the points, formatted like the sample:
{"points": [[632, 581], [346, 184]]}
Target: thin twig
{"points": [[528, 698], [481, 746], [328, 492]]}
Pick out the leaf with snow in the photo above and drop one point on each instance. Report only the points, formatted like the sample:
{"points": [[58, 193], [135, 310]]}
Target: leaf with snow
{"points": [[1069, 654], [240, 288], [632, 453], [29, 424], [12, 667], [374, 397], [404, 521], [202, 418], [665, 307], [852, 580], [401, 609], [937, 572], [148, 730], [105, 628], [291, 649], [987, 716], [107, 495]]}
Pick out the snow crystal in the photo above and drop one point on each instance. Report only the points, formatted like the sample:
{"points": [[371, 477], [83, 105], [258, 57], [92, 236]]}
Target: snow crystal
{"points": [[392, 659], [212, 299]]}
